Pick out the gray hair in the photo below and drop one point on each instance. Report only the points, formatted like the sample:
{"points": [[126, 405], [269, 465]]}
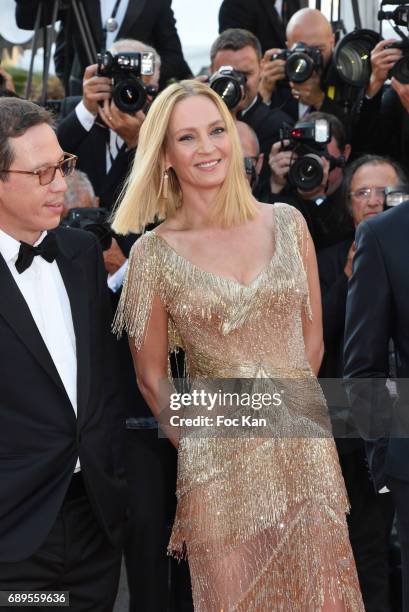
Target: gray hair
{"points": [[78, 183], [130, 45]]}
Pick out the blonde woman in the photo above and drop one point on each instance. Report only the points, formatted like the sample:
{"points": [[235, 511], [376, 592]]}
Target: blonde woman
{"points": [[234, 282]]}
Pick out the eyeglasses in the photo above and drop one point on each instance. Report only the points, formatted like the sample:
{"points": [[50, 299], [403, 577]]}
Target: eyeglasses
{"points": [[364, 194], [250, 163], [46, 175]]}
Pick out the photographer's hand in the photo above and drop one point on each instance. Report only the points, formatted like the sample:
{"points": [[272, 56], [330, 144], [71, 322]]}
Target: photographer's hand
{"points": [[125, 125], [309, 92], [321, 190], [95, 89], [350, 257], [402, 89], [279, 162], [382, 60], [271, 72], [113, 258]]}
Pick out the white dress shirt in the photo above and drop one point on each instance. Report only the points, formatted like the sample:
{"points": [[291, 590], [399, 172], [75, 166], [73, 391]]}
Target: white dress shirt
{"points": [[44, 291], [107, 6]]}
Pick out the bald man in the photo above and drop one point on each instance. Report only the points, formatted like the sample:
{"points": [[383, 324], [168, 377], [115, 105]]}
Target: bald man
{"points": [[253, 159], [297, 99]]}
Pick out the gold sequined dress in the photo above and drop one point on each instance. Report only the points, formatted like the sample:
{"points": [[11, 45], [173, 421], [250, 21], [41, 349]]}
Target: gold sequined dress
{"points": [[261, 519]]}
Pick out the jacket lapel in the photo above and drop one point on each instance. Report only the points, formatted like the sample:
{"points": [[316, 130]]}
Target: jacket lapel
{"points": [[16, 312], [275, 21], [76, 285], [134, 10]]}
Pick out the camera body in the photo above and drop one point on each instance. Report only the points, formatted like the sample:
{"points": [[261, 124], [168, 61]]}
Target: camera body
{"points": [[308, 140], [401, 69], [301, 61], [229, 84], [94, 220], [129, 92]]}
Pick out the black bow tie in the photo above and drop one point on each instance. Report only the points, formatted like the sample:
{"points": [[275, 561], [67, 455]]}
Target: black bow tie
{"points": [[47, 249]]}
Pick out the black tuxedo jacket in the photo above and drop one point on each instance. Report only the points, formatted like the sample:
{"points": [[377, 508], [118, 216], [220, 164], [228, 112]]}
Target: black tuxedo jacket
{"points": [[377, 310], [40, 437], [90, 147], [260, 18], [383, 128], [150, 21]]}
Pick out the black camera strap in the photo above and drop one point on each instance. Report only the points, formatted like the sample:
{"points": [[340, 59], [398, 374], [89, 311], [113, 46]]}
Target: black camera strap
{"points": [[110, 23]]}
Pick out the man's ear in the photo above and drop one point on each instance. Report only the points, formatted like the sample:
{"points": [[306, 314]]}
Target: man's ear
{"points": [[347, 151], [259, 163]]}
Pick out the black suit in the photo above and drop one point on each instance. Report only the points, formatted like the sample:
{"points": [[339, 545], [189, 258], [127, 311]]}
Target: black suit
{"points": [[260, 18], [150, 21], [40, 437], [90, 147], [377, 310], [371, 515], [383, 128]]}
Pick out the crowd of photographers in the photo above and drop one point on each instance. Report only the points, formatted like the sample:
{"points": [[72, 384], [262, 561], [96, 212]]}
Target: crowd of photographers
{"points": [[315, 133]]}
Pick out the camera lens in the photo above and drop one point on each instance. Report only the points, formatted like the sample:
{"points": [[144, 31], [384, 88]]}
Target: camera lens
{"points": [[299, 67], [401, 70], [354, 62], [352, 57], [229, 90], [306, 172], [129, 95]]}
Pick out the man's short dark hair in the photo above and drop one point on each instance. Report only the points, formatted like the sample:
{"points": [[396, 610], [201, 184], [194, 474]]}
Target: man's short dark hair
{"points": [[16, 117], [337, 127], [235, 39]]}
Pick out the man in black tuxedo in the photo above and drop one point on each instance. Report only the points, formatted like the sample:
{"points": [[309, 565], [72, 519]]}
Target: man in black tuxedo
{"points": [[150, 21], [62, 501], [377, 310], [266, 19]]}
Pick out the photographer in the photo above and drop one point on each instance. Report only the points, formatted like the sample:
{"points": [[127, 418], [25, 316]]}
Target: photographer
{"points": [[253, 159], [240, 50], [322, 206], [310, 27], [104, 138], [383, 127]]}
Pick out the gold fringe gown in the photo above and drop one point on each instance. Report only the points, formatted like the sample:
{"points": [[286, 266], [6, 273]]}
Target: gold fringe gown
{"points": [[261, 518]]}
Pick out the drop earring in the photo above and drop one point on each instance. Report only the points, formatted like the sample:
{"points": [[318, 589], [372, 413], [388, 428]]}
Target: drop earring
{"points": [[165, 185]]}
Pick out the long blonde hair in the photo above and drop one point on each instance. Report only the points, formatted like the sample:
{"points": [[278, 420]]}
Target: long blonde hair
{"points": [[140, 201]]}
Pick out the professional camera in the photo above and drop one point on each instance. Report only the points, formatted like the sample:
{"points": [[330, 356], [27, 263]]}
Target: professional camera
{"points": [[128, 91], [352, 58], [94, 220], [401, 69], [229, 84], [400, 17], [395, 196], [300, 61], [308, 141]]}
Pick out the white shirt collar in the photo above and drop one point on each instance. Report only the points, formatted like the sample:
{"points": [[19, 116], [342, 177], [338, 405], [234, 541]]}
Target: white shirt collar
{"points": [[9, 246], [245, 110]]}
